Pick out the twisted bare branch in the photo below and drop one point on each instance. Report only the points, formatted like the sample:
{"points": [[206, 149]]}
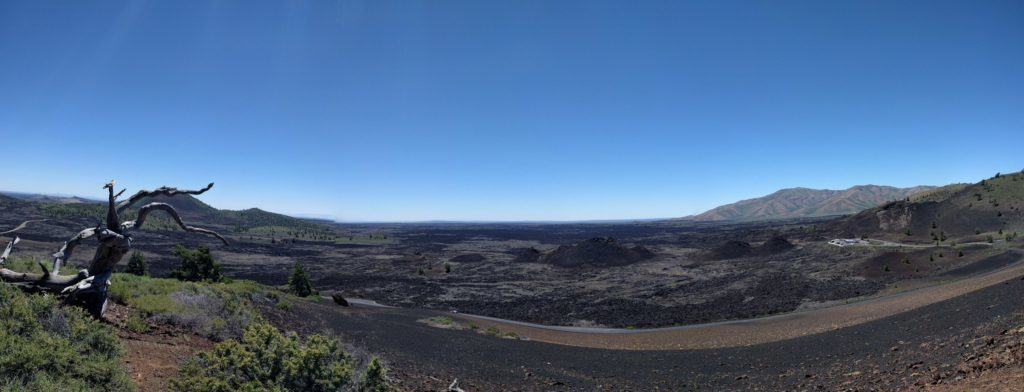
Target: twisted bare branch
{"points": [[113, 221], [7, 251], [88, 287], [166, 191], [146, 209], [48, 280], [64, 253]]}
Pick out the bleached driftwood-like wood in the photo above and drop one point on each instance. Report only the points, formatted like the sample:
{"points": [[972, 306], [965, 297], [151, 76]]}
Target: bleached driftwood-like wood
{"points": [[89, 286], [454, 387], [46, 281], [146, 209], [165, 191]]}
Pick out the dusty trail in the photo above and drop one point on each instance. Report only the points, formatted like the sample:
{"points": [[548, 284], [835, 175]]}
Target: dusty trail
{"points": [[751, 331]]}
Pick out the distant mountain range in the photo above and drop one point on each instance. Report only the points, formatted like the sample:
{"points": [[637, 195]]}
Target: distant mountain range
{"points": [[190, 208], [55, 199], [805, 202]]}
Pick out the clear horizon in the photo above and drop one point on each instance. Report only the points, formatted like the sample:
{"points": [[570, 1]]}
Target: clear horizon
{"points": [[524, 111]]}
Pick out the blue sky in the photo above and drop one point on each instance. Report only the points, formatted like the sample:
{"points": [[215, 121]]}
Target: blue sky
{"points": [[517, 110]]}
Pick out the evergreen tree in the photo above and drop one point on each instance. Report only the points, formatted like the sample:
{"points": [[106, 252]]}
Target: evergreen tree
{"points": [[299, 282], [137, 265], [376, 378], [196, 265]]}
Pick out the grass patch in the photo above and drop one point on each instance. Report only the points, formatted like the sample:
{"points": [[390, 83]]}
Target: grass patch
{"points": [[136, 324], [442, 320], [218, 311]]}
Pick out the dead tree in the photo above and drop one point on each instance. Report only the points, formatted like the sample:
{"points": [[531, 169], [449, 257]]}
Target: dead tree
{"points": [[88, 287]]}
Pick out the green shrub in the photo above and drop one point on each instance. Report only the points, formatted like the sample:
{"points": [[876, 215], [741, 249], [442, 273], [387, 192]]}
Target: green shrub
{"points": [[376, 378], [137, 265], [267, 360], [197, 265], [51, 348], [299, 283]]}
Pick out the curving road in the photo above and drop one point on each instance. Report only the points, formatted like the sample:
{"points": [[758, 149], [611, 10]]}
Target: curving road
{"points": [[22, 226], [888, 353], [751, 331]]}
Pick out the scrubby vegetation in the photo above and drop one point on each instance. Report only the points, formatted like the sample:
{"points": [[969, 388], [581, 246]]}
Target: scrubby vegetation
{"points": [[61, 211], [218, 311], [264, 359], [52, 348]]}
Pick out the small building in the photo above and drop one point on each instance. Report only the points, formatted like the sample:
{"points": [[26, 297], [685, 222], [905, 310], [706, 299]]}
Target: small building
{"points": [[847, 242]]}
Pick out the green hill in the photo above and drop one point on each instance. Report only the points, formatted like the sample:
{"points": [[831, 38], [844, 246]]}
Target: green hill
{"points": [[959, 210]]}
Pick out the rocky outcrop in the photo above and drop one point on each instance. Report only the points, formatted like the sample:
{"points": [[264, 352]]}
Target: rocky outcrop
{"points": [[525, 255], [733, 249]]}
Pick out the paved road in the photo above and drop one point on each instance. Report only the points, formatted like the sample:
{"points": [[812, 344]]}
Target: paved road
{"points": [[918, 246], [749, 331], [22, 226], [752, 331], [873, 355]]}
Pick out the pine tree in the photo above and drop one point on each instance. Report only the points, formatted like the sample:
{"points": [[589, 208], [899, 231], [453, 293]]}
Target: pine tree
{"points": [[299, 282], [197, 265], [137, 265]]}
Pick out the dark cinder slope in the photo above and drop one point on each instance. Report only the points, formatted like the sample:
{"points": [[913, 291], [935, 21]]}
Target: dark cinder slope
{"points": [[599, 252], [194, 210], [805, 202], [982, 209]]}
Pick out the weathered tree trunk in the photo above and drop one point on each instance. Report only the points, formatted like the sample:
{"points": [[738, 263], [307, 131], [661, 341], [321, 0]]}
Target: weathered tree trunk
{"points": [[88, 288]]}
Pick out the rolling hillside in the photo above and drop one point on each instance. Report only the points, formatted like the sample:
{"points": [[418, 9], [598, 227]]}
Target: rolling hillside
{"points": [[194, 210], [191, 209], [978, 210], [805, 202]]}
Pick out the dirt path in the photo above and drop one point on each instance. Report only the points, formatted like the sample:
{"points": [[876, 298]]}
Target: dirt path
{"points": [[154, 358], [751, 331]]}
